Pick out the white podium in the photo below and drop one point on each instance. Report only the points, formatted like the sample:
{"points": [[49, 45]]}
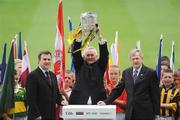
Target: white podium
{"points": [[89, 112]]}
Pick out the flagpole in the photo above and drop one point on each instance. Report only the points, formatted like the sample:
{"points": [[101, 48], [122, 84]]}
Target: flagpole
{"points": [[59, 52], [15, 45], [158, 67], [172, 59]]}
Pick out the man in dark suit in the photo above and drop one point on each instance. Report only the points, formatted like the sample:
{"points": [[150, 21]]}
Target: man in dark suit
{"points": [[89, 72], [42, 90], [143, 93]]}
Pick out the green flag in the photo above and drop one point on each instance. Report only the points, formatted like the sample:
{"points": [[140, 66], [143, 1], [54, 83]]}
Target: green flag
{"points": [[7, 93]]}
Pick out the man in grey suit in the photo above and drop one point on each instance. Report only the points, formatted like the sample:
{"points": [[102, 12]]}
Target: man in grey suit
{"points": [[42, 90], [141, 84]]}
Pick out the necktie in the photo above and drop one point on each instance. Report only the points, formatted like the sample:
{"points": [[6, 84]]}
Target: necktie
{"points": [[48, 77], [135, 74]]}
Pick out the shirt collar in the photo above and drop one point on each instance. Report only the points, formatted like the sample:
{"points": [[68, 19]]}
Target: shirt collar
{"points": [[139, 69], [43, 70], [16, 88]]}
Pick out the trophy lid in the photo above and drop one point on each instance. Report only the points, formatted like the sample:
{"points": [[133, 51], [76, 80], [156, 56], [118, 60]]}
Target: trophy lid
{"points": [[88, 21], [88, 15]]}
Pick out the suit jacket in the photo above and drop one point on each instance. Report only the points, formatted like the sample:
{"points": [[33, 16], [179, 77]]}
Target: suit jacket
{"points": [[143, 96], [89, 77], [41, 96]]}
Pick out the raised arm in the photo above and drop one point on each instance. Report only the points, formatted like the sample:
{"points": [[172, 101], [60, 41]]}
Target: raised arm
{"points": [[104, 55], [77, 57]]}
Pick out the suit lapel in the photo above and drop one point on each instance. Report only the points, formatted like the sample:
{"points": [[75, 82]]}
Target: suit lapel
{"points": [[140, 75], [44, 79], [130, 76], [41, 73]]}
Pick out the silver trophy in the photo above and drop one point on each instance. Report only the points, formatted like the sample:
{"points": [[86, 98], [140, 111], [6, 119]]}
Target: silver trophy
{"points": [[88, 22]]}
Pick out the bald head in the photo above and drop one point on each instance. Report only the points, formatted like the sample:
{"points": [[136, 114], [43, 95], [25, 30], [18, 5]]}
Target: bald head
{"points": [[90, 55]]}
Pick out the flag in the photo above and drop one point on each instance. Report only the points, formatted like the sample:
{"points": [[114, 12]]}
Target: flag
{"points": [[138, 45], [72, 65], [70, 37], [172, 60], [15, 46], [115, 51], [59, 52], [106, 76], [114, 60], [106, 73], [19, 47], [7, 94], [158, 67], [3, 64], [25, 65]]}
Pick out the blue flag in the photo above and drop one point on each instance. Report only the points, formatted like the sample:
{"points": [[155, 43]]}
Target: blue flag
{"points": [[19, 47], [7, 94], [3, 64], [158, 67], [72, 65]]}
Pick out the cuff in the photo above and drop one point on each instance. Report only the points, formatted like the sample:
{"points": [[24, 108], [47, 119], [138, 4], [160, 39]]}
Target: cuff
{"points": [[78, 40], [157, 116], [102, 41]]}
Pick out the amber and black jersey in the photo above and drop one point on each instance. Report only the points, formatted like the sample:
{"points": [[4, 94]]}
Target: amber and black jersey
{"points": [[167, 97]]}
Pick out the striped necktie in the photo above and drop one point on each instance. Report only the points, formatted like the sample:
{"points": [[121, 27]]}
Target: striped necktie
{"points": [[135, 74]]}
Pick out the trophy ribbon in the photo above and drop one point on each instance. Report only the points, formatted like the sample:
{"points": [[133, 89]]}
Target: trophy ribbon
{"points": [[89, 38], [76, 35]]}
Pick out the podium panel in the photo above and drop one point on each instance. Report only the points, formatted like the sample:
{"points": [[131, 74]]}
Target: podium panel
{"points": [[89, 112]]}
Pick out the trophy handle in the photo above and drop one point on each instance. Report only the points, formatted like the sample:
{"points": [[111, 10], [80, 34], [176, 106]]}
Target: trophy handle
{"points": [[97, 28], [96, 25]]}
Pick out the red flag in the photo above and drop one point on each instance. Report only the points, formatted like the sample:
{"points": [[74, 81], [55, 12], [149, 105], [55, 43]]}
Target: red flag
{"points": [[108, 82], [59, 52], [25, 65], [15, 46]]}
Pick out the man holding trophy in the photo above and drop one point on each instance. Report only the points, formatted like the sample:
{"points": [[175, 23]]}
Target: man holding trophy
{"points": [[89, 68]]}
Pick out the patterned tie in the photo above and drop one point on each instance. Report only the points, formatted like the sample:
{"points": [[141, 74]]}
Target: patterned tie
{"points": [[48, 77], [135, 74]]}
